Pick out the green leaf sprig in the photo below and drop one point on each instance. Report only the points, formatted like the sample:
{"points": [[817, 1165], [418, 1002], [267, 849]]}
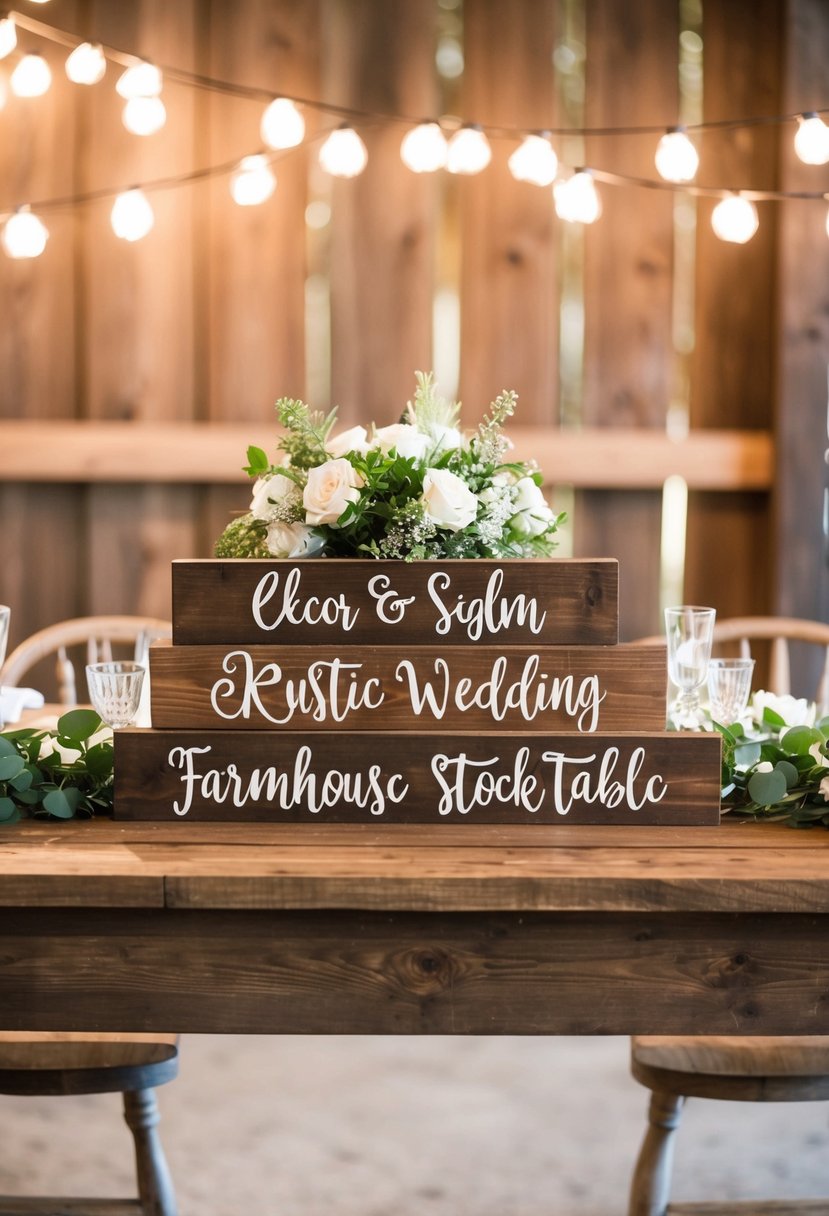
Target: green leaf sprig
{"points": [[783, 776], [62, 774]]}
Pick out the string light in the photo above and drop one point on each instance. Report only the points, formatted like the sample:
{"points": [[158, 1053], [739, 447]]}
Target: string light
{"points": [[8, 36], [534, 161], [676, 159], [735, 219], [144, 115], [140, 80], [469, 151], [577, 200], [424, 149], [132, 216], [24, 235], [811, 141], [86, 64], [31, 77], [253, 182], [343, 154], [282, 125]]}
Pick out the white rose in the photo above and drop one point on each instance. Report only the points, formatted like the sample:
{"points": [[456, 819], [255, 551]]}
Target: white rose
{"points": [[406, 440], [329, 490], [532, 515], [765, 766], [353, 440], [272, 493], [444, 438], [793, 710], [823, 789], [816, 752], [449, 501], [293, 540]]}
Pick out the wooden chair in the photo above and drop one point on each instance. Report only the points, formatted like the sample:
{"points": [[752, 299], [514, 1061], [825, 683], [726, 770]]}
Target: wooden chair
{"points": [[51, 1063], [732, 1069]]}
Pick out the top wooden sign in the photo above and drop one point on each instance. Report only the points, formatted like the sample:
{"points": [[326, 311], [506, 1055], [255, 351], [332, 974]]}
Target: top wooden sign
{"points": [[545, 601]]}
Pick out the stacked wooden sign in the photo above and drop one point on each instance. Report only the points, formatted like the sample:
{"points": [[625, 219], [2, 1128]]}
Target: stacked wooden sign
{"points": [[425, 692]]}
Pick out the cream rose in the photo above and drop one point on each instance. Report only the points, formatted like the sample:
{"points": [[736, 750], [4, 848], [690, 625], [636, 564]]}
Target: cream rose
{"points": [[532, 515], [406, 440], [353, 440], [795, 711], [449, 501], [271, 495], [444, 438], [293, 540], [329, 490]]}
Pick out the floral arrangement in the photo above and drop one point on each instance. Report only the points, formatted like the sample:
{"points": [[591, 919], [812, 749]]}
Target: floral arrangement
{"points": [[416, 489], [60, 774]]}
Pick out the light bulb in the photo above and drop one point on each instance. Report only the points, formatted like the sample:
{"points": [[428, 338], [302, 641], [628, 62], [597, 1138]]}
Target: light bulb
{"points": [[31, 77], [8, 36], [735, 219], [423, 149], [677, 160], [577, 199], [144, 115], [140, 80], [24, 235], [469, 151], [282, 125], [132, 216], [86, 64], [343, 154], [811, 141], [534, 161], [253, 182]]}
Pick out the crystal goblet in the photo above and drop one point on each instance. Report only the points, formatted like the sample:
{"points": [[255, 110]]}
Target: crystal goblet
{"points": [[729, 684], [115, 691], [690, 632]]}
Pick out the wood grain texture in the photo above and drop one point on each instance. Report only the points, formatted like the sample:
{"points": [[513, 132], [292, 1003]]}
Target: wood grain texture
{"points": [[363, 688], [212, 601]]}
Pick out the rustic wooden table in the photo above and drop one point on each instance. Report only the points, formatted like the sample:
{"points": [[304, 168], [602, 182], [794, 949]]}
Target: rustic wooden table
{"points": [[452, 929]]}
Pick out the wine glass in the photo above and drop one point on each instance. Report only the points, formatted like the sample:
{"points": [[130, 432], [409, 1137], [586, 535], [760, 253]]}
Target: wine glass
{"points": [[115, 691], [690, 633], [729, 683]]}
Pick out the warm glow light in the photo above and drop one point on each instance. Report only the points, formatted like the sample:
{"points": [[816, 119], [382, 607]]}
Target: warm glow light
{"points": [[735, 219], [468, 152], [811, 141], [132, 216], [677, 160], [144, 115], [24, 235], [343, 154], [8, 36], [86, 64], [577, 199], [423, 149], [141, 80], [534, 161], [253, 182], [31, 77], [282, 125]]}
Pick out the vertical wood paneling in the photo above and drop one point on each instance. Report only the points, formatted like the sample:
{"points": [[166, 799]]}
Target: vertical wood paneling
{"points": [[380, 57], [729, 543], [628, 355], [509, 289]]}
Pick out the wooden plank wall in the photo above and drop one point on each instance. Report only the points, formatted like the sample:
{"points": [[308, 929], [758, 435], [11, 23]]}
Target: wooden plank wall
{"points": [[205, 320]]}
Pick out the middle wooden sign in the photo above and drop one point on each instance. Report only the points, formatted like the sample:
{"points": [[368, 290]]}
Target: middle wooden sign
{"points": [[557, 688]]}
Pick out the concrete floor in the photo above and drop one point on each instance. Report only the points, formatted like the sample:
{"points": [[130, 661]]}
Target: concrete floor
{"points": [[409, 1127]]}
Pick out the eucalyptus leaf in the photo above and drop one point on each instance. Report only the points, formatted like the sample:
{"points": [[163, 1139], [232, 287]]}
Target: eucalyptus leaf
{"points": [[79, 724], [767, 788], [11, 767], [22, 781], [8, 811], [772, 718], [100, 760], [7, 748], [58, 804], [789, 772], [798, 739]]}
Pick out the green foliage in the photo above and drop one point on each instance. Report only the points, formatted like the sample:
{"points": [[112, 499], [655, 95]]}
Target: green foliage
{"points": [[306, 432], [243, 537], [58, 774], [784, 775]]}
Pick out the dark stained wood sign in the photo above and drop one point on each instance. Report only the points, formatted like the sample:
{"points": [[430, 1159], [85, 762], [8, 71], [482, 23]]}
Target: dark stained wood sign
{"points": [[386, 777], [576, 688], [331, 601]]}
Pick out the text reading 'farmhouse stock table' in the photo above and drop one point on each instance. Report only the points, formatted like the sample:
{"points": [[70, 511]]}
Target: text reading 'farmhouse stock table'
{"points": [[453, 929]]}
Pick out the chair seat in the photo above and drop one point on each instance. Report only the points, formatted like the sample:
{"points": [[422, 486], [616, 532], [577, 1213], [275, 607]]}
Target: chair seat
{"points": [[79, 1063], [775, 1069]]}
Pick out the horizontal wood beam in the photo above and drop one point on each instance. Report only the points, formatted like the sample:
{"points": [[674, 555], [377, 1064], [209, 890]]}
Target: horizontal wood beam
{"points": [[212, 454]]}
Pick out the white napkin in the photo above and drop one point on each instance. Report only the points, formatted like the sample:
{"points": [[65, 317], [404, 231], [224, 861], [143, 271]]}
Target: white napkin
{"points": [[13, 701]]}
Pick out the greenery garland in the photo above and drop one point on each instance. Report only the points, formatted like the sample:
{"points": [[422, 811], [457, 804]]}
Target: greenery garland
{"points": [[780, 775], [61, 774]]}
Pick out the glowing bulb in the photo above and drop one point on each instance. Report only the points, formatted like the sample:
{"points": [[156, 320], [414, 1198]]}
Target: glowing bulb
{"points": [[735, 219], [141, 80], [132, 216], [31, 77], [423, 149], [577, 199], [534, 161], [24, 235], [144, 115], [282, 125], [8, 36], [676, 157], [86, 64], [343, 154], [469, 151], [811, 141], [253, 182]]}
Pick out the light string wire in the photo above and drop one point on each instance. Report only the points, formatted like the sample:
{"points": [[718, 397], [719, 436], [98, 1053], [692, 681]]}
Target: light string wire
{"points": [[182, 76]]}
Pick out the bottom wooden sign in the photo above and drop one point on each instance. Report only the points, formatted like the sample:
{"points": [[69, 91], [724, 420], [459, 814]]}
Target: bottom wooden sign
{"points": [[386, 777]]}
